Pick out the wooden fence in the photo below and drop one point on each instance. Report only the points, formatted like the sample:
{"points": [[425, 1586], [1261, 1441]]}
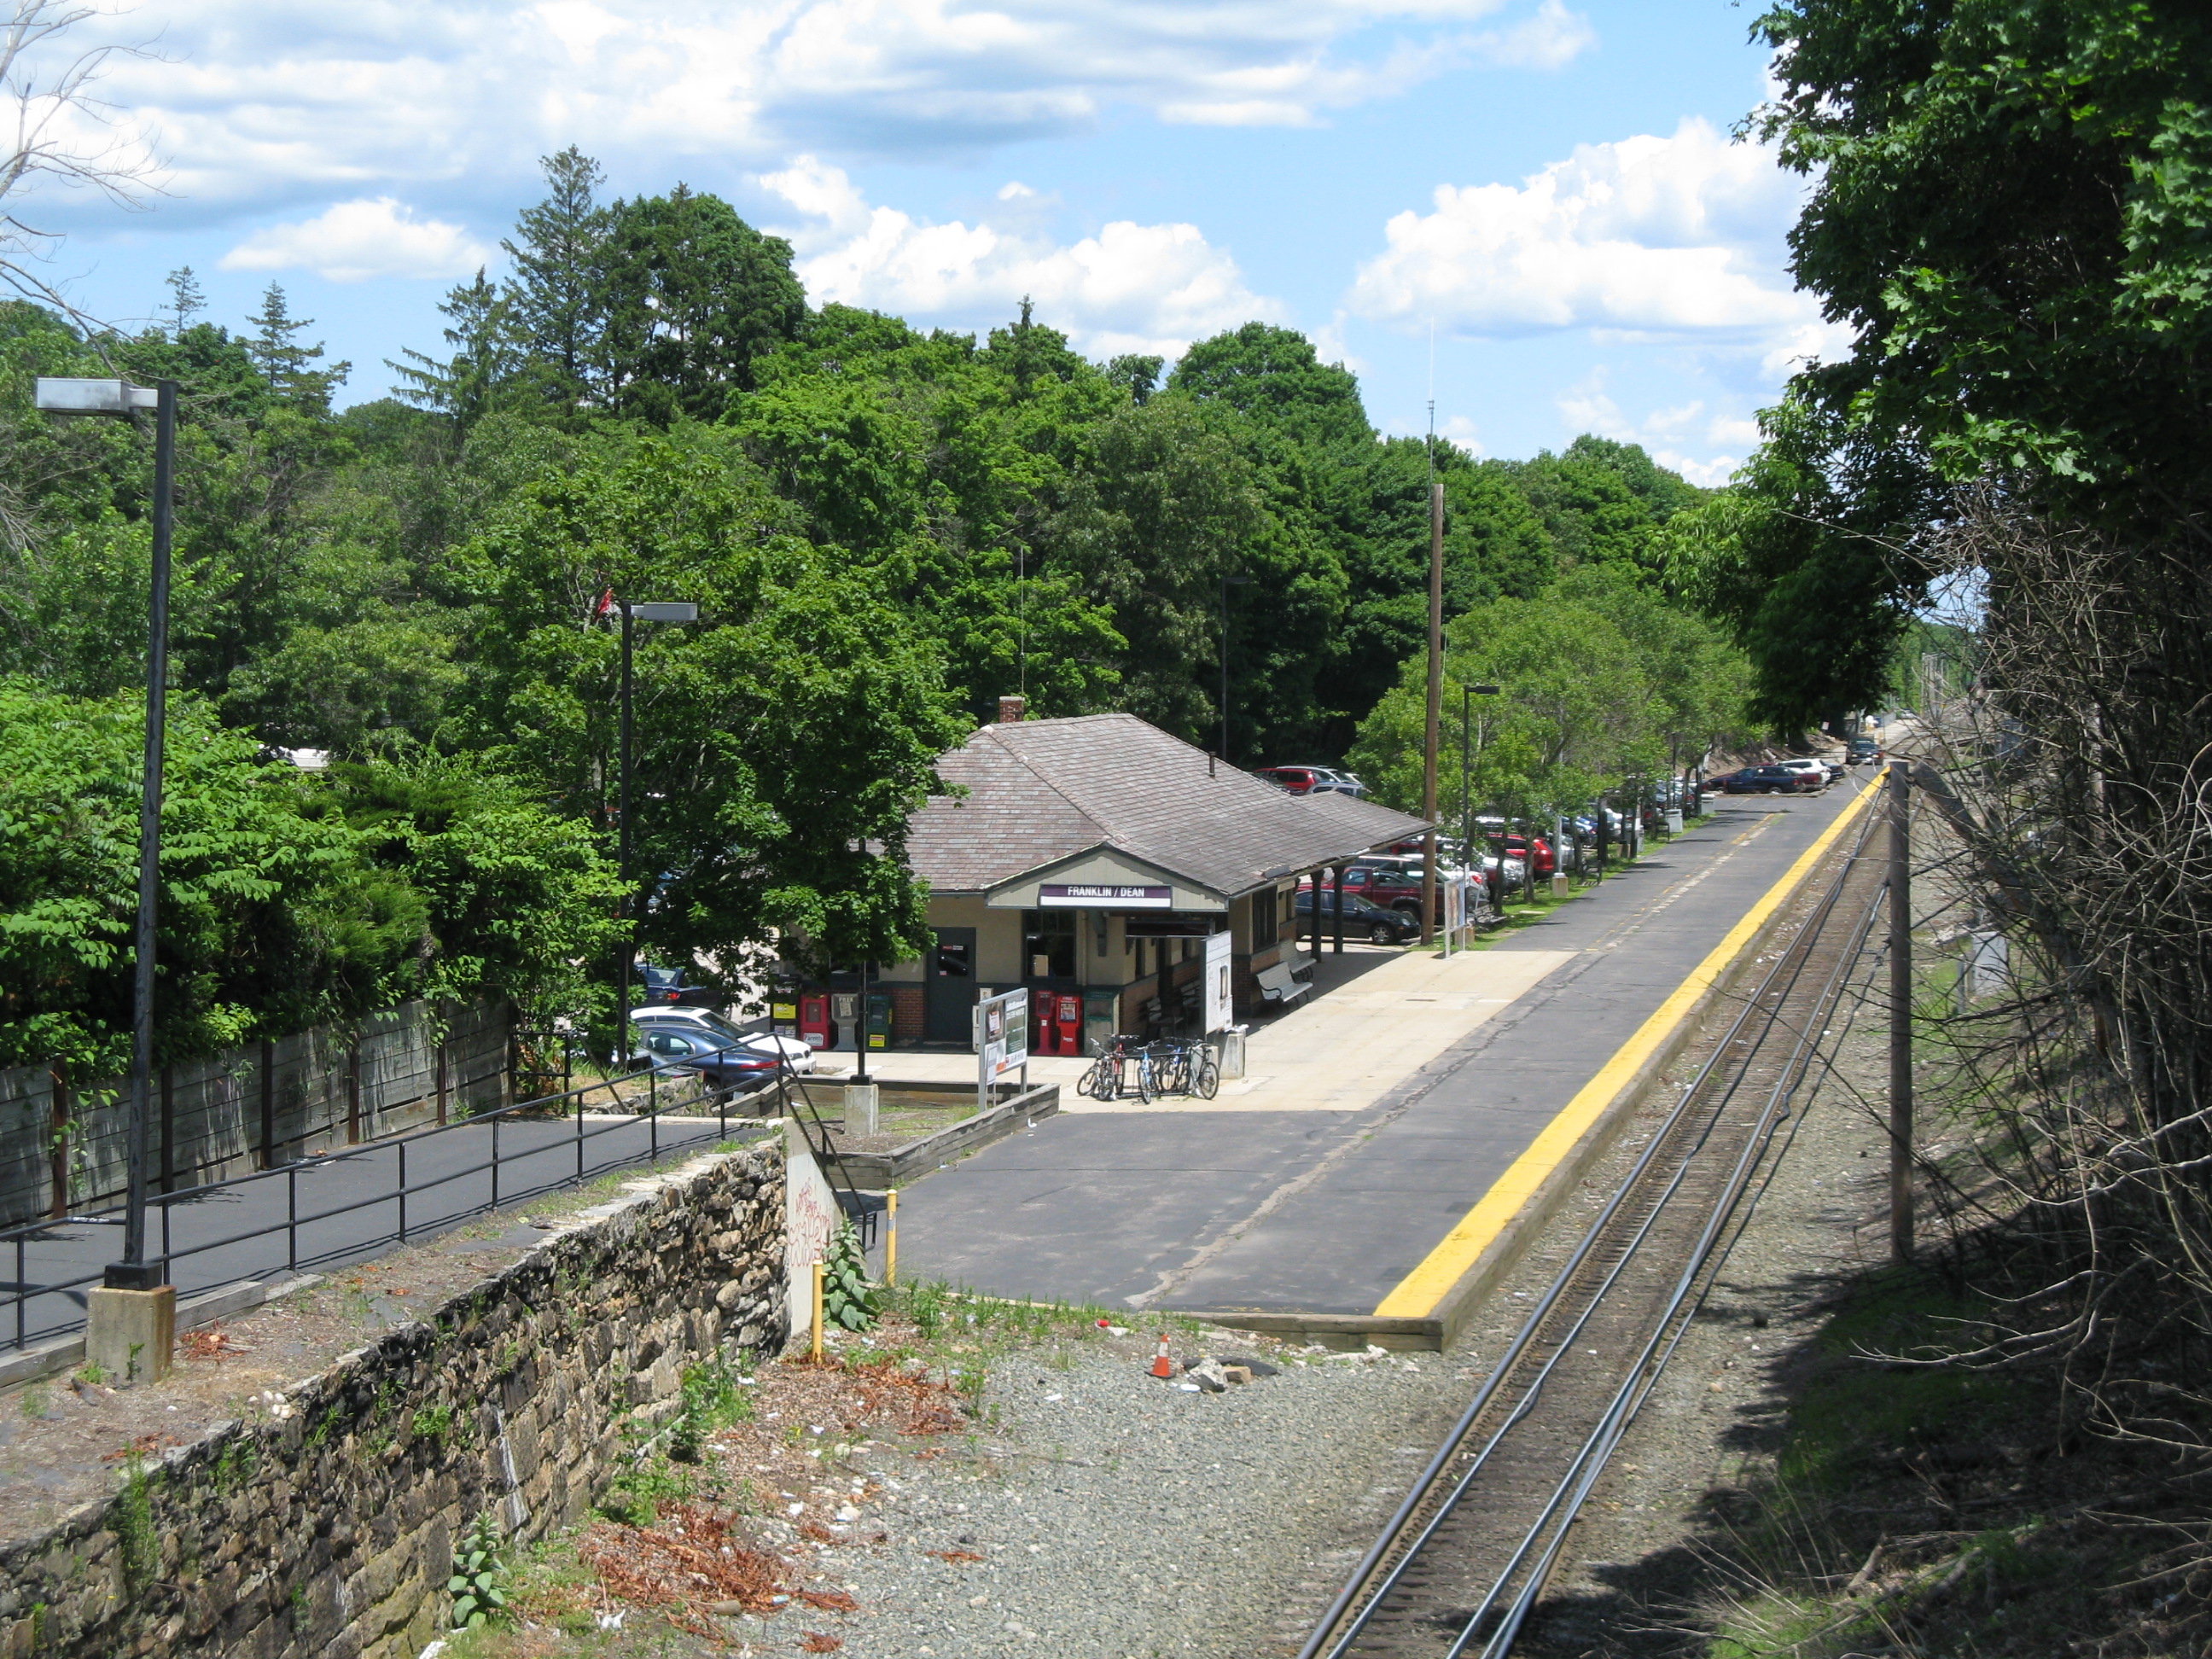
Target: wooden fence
{"points": [[62, 1143]]}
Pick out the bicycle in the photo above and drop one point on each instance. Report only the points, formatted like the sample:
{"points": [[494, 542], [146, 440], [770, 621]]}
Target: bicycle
{"points": [[1104, 1080]]}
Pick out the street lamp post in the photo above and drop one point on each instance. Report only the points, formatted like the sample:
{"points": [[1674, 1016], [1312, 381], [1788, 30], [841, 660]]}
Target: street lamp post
{"points": [[118, 399], [674, 612]]}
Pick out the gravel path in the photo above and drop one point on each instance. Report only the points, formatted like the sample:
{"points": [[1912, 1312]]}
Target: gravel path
{"points": [[1098, 1510]]}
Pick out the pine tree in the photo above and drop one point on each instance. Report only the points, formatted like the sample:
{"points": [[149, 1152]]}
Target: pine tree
{"points": [[486, 360], [187, 300], [277, 352], [556, 294]]}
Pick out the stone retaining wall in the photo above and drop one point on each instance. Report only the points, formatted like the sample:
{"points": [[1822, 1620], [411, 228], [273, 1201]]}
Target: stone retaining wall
{"points": [[329, 1530]]}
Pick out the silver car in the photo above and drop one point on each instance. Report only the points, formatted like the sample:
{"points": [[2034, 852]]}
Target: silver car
{"points": [[796, 1053]]}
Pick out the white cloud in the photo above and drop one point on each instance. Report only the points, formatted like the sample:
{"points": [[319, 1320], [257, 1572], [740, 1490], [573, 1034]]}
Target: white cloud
{"points": [[1129, 288], [1705, 446], [261, 104], [1648, 235], [1551, 40], [353, 241]]}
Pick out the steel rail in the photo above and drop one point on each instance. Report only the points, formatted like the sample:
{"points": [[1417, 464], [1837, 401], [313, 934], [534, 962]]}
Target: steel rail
{"points": [[1668, 1329], [1362, 1588]]}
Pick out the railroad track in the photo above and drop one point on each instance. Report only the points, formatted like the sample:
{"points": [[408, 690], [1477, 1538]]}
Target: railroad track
{"points": [[1465, 1557]]}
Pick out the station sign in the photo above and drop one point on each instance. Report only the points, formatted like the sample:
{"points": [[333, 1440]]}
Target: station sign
{"points": [[1102, 896]]}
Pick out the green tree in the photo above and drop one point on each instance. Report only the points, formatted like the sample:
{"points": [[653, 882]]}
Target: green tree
{"points": [[555, 300], [780, 743], [692, 296]]}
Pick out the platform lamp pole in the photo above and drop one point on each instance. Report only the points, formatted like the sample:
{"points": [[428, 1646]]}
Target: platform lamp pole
{"points": [[118, 399], [1436, 703], [130, 1318], [682, 611]]}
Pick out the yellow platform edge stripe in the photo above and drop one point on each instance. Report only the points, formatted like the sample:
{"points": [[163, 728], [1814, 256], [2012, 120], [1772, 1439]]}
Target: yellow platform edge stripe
{"points": [[1417, 1294]]}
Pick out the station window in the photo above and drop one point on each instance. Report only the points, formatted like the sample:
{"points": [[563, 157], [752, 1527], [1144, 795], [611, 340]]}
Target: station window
{"points": [[1049, 944], [1266, 912]]}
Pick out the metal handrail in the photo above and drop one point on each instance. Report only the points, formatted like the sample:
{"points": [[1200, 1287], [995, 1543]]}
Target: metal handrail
{"points": [[23, 1291]]}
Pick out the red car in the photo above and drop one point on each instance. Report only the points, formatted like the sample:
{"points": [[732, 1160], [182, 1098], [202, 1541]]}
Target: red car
{"points": [[1298, 780], [1516, 846]]}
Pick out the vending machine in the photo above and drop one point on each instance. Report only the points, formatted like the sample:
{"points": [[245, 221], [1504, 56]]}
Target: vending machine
{"points": [[845, 1021], [1067, 1023], [814, 1018], [879, 1020]]}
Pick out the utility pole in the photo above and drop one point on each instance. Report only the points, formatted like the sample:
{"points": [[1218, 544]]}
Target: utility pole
{"points": [[1901, 1015], [1436, 705]]}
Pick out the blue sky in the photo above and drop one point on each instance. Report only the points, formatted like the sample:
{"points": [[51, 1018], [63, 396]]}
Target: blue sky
{"points": [[1550, 188]]}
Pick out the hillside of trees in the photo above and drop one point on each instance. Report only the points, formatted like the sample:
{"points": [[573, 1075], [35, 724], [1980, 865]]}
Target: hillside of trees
{"points": [[886, 530]]}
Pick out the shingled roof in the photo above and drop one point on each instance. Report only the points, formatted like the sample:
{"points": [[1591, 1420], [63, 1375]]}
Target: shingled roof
{"points": [[1040, 791]]}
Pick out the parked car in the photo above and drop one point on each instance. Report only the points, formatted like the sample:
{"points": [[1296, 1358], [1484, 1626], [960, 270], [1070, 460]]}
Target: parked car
{"points": [[668, 986], [1312, 780], [723, 1065], [1812, 767], [712, 1027], [1516, 846], [1361, 915], [1771, 780]]}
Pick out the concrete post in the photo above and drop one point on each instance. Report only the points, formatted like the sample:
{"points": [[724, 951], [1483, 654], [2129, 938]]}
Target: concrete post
{"points": [[131, 1335], [860, 1109]]}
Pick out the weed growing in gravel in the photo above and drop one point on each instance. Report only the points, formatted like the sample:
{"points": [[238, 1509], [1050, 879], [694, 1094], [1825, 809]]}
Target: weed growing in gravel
{"points": [[711, 1398]]}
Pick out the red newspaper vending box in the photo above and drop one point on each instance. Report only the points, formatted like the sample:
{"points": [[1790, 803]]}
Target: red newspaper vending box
{"points": [[1067, 1021], [814, 1019]]}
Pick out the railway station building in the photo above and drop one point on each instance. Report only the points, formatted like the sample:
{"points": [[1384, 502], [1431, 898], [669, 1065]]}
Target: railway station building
{"points": [[1092, 858]]}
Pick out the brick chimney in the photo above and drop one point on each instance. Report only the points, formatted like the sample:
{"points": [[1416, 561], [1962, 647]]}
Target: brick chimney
{"points": [[1011, 710]]}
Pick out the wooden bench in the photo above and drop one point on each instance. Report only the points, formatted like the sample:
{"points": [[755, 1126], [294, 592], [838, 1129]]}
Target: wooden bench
{"points": [[1279, 986]]}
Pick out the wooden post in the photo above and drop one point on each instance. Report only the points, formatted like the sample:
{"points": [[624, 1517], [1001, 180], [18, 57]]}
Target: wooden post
{"points": [[268, 1104], [1901, 1015], [817, 1311], [1436, 706]]}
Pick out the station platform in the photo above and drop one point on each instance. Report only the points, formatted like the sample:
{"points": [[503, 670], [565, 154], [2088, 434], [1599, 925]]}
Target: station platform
{"points": [[1335, 1179]]}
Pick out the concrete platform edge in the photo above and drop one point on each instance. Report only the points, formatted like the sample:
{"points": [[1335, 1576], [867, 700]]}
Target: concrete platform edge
{"points": [[1437, 1331], [1340, 1331], [1504, 1254]]}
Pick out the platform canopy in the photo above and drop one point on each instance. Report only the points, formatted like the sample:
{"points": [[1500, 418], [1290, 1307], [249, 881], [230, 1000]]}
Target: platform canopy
{"points": [[1059, 812]]}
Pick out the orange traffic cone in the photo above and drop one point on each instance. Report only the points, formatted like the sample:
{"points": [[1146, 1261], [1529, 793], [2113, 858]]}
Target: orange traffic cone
{"points": [[1162, 1365]]}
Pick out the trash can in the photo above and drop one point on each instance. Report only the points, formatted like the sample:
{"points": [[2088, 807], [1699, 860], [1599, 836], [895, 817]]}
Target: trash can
{"points": [[1232, 1051], [1101, 1019]]}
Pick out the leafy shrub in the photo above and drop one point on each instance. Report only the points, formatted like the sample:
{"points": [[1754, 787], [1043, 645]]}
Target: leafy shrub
{"points": [[849, 1298], [479, 1576]]}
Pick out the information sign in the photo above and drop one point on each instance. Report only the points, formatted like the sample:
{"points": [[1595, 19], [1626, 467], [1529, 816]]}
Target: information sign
{"points": [[1003, 1045]]}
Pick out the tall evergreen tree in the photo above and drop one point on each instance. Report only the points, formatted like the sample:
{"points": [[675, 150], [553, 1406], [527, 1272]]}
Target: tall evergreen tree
{"points": [[275, 350], [554, 296], [186, 300], [486, 361]]}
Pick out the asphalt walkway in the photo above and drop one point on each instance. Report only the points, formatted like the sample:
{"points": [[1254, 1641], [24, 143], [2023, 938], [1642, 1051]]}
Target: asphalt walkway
{"points": [[1376, 1115]]}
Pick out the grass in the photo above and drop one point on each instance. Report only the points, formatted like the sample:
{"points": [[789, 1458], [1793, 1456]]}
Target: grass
{"points": [[1926, 1508]]}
